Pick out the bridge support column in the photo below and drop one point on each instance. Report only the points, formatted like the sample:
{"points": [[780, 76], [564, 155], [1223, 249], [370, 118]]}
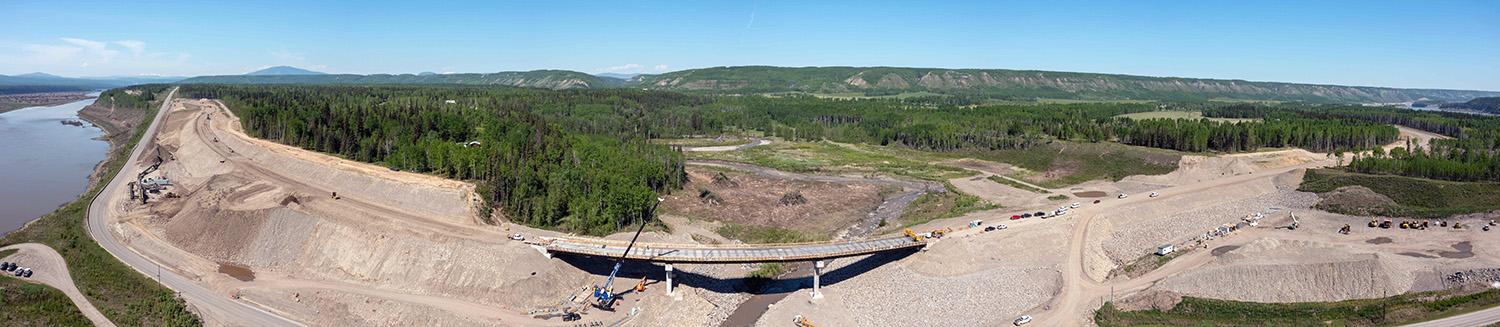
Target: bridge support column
{"points": [[817, 292], [669, 279]]}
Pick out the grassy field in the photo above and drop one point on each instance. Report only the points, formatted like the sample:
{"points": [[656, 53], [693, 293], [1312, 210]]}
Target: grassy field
{"points": [[125, 296], [1061, 164], [766, 234], [27, 304], [1012, 183], [1414, 197], [1388, 311], [1195, 115], [931, 206], [828, 157], [697, 142]]}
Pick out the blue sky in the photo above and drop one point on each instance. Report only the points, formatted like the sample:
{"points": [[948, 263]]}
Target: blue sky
{"points": [[1428, 44]]}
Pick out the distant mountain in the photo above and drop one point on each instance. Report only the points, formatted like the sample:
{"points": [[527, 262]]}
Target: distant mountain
{"points": [[1020, 84], [426, 74], [43, 82], [283, 70], [1487, 104], [550, 79], [618, 75]]}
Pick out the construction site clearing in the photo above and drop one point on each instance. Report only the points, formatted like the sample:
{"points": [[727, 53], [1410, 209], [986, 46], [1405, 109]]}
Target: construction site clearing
{"points": [[326, 241]]}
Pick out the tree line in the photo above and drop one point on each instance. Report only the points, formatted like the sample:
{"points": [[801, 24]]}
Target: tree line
{"points": [[536, 171]]}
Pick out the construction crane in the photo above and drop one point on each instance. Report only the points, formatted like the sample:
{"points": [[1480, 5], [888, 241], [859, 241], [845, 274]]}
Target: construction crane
{"points": [[140, 178], [604, 296]]}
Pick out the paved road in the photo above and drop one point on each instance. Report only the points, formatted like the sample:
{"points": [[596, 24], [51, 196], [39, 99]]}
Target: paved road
{"points": [[215, 307], [49, 268], [1484, 317]]}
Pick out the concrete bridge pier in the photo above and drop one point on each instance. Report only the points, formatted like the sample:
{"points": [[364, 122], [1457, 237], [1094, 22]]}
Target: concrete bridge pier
{"points": [[817, 292], [669, 279]]}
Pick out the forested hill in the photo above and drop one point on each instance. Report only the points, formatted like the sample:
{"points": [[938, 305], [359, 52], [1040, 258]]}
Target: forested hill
{"points": [[1021, 84], [1489, 105], [547, 79]]}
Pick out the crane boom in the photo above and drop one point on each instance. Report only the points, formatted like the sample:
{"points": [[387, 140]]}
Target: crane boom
{"points": [[604, 295]]}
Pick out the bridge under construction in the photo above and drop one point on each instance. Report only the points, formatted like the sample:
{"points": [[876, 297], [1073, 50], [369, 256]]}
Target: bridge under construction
{"points": [[725, 254]]}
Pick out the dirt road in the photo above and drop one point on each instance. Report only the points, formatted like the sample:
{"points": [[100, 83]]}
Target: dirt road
{"points": [[1081, 293], [48, 267], [209, 304]]}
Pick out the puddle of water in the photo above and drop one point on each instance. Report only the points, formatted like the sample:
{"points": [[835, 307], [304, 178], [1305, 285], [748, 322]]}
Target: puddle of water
{"points": [[1379, 240], [239, 272], [1218, 251], [1090, 194]]}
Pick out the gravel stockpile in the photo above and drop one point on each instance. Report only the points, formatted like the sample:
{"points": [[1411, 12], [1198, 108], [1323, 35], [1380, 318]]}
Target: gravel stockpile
{"points": [[1141, 236]]}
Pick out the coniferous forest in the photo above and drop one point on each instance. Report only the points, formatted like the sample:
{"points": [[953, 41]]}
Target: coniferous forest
{"points": [[580, 160]]}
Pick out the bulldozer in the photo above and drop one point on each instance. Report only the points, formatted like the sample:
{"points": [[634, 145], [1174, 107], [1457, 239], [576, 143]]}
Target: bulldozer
{"points": [[1374, 223], [1344, 230], [1385, 224]]}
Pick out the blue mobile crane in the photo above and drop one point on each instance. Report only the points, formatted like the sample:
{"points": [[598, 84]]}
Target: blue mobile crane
{"points": [[604, 296]]}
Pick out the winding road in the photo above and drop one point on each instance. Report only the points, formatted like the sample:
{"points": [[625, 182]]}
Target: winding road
{"points": [[50, 269], [218, 308]]}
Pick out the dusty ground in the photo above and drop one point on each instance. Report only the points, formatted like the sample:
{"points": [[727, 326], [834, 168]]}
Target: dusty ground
{"points": [[48, 267], [1056, 269], [752, 199], [394, 248]]}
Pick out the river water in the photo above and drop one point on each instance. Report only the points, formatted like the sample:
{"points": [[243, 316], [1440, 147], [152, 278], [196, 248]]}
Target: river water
{"points": [[43, 162]]}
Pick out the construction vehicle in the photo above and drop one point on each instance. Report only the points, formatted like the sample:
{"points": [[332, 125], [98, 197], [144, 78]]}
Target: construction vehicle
{"points": [[1385, 224], [1344, 230], [140, 178], [801, 321], [604, 296], [1404, 224], [1374, 223], [912, 235], [1295, 223], [641, 286]]}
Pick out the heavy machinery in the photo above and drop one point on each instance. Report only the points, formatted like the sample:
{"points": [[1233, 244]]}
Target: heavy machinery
{"points": [[604, 296], [912, 235], [1374, 223], [1385, 224], [1295, 223], [801, 321], [140, 178], [1344, 230]]}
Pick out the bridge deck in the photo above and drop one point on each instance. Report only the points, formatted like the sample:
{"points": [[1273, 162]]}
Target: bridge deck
{"points": [[745, 253]]}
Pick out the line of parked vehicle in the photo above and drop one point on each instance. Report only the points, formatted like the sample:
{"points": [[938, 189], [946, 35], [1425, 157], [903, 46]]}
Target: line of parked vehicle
{"points": [[15, 268]]}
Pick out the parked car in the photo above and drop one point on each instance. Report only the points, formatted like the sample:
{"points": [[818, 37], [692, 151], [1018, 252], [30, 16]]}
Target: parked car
{"points": [[28, 273], [1122, 195], [1001, 226], [20, 272], [1023, 320], [1039, 214], [1096, 201], [1014, 217], [989, 228], [1153, 194], [4, 265], [517, 237], [1026, 215], [1075, 205]]}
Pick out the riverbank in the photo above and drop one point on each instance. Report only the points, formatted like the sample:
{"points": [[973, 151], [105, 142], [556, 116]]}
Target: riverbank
{"points": [[11, 102], [125, 296]]}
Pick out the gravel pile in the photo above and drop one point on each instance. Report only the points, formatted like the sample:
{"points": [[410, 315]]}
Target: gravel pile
{"points": [[1483, 276]]}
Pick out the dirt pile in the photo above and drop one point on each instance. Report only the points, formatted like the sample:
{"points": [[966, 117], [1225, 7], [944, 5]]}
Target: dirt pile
{"points": [[1149, 300], [1353, 199], [1277, 270]]}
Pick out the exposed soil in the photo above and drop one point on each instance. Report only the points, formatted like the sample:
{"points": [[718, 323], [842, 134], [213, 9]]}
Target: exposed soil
{"points": [[1218, 251], [1354, 199], [815, 207], [1090, 194], [1416, 255], [1379, 240]]}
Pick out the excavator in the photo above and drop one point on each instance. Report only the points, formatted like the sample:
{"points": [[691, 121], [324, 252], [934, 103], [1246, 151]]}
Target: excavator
{"points": [[801, 321], [604, 296]]}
